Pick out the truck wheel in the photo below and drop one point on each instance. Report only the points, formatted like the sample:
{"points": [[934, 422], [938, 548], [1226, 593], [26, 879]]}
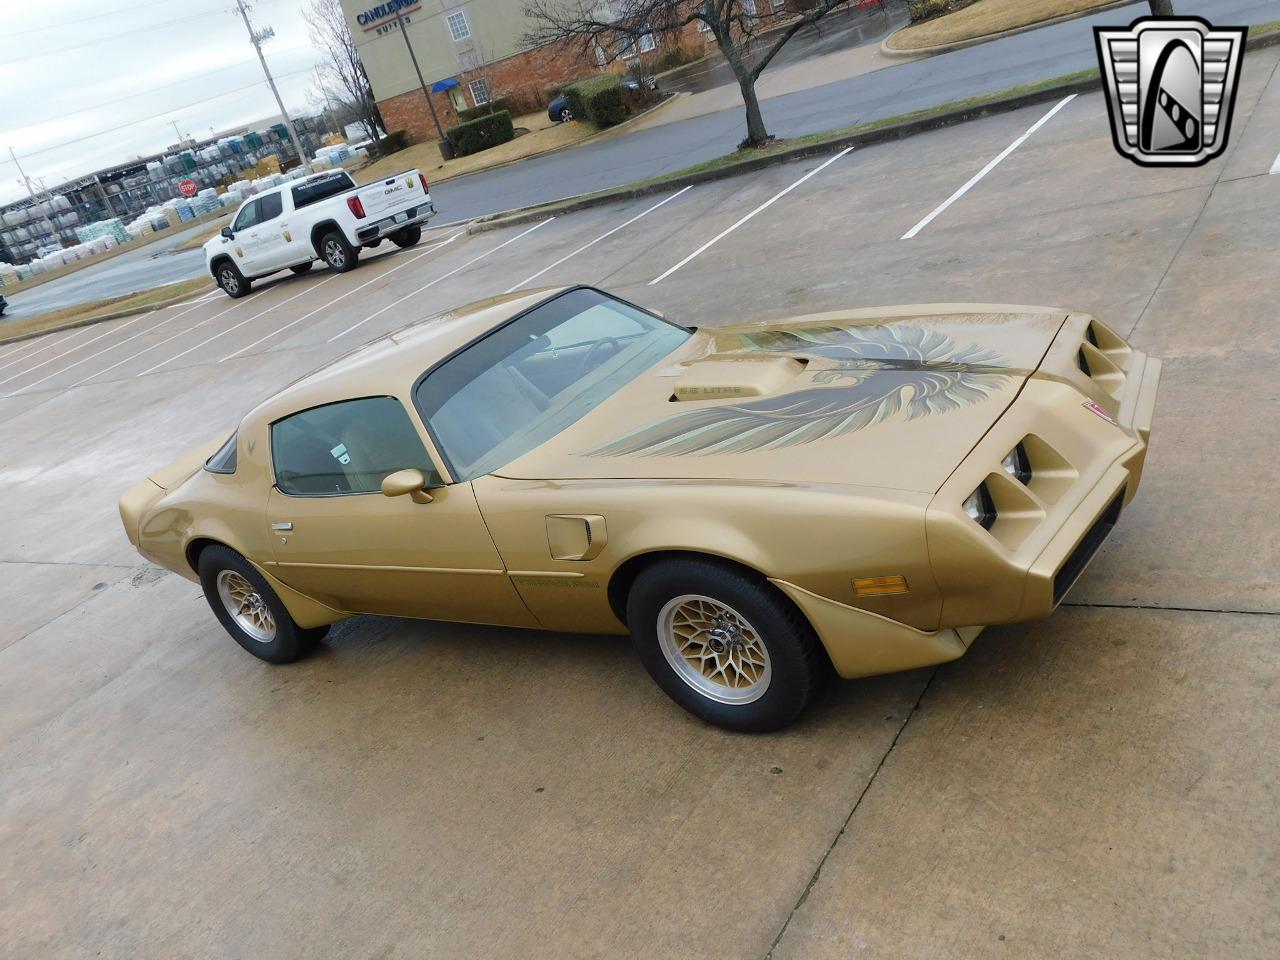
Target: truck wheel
{"points": [[301, 268], [725, 644], [233, 283], [407, 236], [337, 253], [250, 610]]}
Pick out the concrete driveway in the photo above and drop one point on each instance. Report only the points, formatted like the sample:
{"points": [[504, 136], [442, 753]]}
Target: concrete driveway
{"points": [[1099, 784]]}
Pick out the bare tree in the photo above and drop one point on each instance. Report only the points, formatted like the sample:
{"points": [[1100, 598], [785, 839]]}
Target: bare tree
{"points": [[341, 76], [615, 26]]}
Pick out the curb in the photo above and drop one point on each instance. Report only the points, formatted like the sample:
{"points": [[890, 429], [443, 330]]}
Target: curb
{"points": [[899, 53], [598, 135], [895, 131], [90, 321]]}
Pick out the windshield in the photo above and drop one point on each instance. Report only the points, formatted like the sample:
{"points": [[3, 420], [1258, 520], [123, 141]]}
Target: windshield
{"points": [[527, 381]]}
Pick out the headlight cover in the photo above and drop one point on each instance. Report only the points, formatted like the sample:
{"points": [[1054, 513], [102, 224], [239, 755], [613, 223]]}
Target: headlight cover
{"points": [[980, 508], [1017, 464]]}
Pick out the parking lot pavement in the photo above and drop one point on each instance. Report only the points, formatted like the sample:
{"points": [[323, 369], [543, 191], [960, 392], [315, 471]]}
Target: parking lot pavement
{"points": [[1102, 783]]}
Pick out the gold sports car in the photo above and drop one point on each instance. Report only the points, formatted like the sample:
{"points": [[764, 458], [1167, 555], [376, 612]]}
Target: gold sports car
{"points": [[757, 504]]}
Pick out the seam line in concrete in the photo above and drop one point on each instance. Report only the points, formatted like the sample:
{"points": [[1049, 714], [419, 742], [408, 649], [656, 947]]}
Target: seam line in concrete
{"points": [[1200, 213], [844, 827], [1156, 606]]}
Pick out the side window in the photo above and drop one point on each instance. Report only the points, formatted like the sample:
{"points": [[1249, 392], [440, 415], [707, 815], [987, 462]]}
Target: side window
{"points": [[346, 448], [248, 216], [269, 207]]}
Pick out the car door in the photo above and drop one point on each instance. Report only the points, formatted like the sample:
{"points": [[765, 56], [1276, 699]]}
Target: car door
{"points": [[272, 239], [339, 540], [243, 241]]}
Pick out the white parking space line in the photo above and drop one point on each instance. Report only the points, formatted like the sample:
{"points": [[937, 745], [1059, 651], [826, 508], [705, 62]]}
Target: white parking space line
{"points": [[107, 333], [134, 356], [235, 326], [987, 169], [1275, 167], [112, 346], [414, 293], [40, 349], [326, 306], [764, 206], [591, 243]]}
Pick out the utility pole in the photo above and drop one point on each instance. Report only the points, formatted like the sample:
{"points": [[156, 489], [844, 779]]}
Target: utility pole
{"points": [[35, 204], [256, 37], [400, 22]]}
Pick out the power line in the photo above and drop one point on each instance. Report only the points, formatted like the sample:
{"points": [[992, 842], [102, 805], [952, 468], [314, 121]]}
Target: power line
{"points": [[92, 16], [143, 93], [155, 116], [114, 36]]}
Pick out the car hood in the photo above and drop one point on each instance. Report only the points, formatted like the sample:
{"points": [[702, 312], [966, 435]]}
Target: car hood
{"points": [[891, 397]]}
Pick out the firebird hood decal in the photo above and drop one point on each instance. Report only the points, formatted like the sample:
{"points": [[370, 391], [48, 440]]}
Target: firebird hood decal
{"points": [[878, 372]]}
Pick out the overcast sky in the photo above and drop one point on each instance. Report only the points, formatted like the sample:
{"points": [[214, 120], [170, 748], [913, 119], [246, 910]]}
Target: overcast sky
{"points": [[132, 67]]}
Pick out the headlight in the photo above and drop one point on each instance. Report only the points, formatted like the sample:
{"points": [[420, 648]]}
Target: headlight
{"points": [[1017, 465], [980, 507]]}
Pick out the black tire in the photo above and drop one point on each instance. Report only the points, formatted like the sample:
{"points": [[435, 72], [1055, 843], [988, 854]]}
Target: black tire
{"points": [[337, 253], [406, 236], [288, 642], [797, 663], [301, 268], [233, 283]]}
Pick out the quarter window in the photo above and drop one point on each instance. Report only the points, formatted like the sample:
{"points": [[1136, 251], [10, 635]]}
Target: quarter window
{"points": [[479, 91], [346, 448], [459, 29]]}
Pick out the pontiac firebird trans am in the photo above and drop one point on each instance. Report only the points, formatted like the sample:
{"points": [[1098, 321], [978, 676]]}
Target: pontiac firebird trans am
{"points": [[758, 504]]}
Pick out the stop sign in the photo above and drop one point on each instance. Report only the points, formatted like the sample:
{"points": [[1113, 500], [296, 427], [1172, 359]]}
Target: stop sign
{"points": [[188, 188]]}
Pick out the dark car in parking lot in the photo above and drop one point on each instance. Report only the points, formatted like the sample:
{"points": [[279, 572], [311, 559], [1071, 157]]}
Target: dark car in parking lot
{"points": [[558, 109]]}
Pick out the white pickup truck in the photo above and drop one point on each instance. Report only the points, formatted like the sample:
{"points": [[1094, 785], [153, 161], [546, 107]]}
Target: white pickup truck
{"points": [[325, 216]]}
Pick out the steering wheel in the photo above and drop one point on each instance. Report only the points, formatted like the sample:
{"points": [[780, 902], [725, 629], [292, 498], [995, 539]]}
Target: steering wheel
{"points": [[611, 342]]}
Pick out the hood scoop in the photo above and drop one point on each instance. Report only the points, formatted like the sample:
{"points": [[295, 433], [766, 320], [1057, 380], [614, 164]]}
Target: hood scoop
{"points": [[727, 378]]}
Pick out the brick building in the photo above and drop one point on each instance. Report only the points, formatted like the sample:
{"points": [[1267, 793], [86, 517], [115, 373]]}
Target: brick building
{"points": [[472, 51]]}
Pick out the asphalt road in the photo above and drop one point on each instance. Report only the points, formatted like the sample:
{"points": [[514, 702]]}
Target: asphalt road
{"points": [[149, 266], [1103, 783], [907, 86], [850, 27]]}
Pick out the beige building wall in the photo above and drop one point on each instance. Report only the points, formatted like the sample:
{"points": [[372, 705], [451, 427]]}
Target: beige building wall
{"points": [[495, 29]]}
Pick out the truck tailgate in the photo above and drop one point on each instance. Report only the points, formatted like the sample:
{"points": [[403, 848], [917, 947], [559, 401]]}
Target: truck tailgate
{"points": [[385, 197]]}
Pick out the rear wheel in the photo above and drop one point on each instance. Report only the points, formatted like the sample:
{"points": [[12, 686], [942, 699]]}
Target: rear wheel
{"points": [[337, 253], [233, 283], [249, 610], [725, 644], [301, 268], [406, 236]]}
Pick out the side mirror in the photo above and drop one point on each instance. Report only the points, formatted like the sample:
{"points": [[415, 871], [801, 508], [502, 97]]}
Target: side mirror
{"points": [[412, 482], [226, 232]]}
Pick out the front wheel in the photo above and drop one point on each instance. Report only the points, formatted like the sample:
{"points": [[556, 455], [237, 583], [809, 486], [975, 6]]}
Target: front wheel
{"points": [[725, 644], [337, 253], [233, 283], [406, 236], [249, 610]]}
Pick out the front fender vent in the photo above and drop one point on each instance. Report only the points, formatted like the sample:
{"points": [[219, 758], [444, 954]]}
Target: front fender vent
{"points": [[576, 536]]}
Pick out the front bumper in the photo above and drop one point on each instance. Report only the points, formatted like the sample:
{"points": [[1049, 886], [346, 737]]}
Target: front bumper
{"points": [[1085, 422], [415, 217]]}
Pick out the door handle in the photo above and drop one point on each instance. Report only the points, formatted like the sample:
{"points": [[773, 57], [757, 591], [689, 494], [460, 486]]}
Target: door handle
{"points": [[282, 527]]}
